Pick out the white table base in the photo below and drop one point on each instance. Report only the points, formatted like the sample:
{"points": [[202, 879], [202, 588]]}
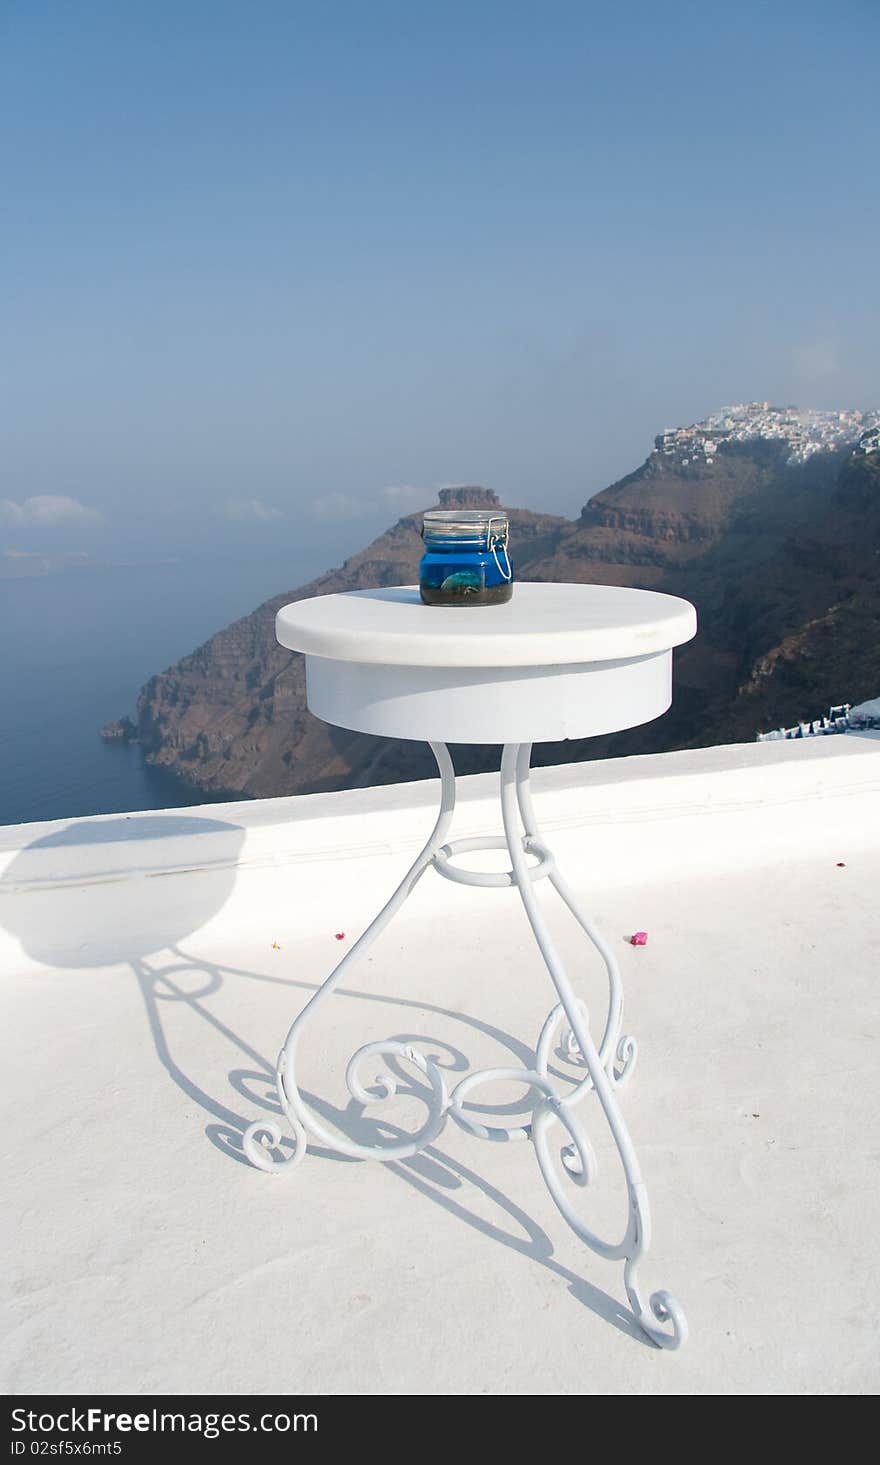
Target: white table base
{"points": [[608, 1067]]}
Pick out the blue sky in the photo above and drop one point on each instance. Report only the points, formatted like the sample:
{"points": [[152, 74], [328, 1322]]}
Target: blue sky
{"points": [[278, 268]]}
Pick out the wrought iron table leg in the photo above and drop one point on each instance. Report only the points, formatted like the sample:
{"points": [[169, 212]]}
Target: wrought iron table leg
{"points": [[613, 1049], [302, 1120], [608, 1066], [665, 1322]]}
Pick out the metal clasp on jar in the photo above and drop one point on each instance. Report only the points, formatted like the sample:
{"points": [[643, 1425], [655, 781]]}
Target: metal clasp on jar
{"points": [[497, 538]]}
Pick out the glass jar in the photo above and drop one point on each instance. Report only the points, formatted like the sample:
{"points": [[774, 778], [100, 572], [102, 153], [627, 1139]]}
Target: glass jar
{"points": [[465, 560]]}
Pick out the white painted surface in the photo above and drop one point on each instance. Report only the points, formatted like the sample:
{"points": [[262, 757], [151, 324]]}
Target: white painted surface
{"points": [[140, 1001], [543, 625], [556, 662], [531, 704], [866, 711]]}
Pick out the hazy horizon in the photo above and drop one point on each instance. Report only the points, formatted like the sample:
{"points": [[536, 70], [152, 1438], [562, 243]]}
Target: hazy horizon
{"points": [[272, 274]]}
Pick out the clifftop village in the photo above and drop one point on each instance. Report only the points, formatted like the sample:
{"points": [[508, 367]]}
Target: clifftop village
{"points": [[805, 431]]}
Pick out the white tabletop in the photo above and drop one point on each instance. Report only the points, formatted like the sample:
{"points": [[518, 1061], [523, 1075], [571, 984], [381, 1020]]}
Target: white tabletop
{"points": [[543, 625]]}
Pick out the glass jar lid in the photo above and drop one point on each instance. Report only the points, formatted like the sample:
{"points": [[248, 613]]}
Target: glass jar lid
{"points": [[465, 524]]}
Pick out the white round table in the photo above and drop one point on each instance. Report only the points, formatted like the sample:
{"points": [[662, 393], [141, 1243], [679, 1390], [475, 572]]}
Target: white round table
{"points": [[555, 662]]}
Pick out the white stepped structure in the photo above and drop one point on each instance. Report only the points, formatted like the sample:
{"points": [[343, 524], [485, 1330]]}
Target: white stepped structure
{"points": [[841, 719]]}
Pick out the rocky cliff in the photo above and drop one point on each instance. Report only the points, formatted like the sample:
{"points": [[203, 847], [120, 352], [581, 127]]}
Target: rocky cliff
{"points": [[805, 626], [779, 553], [232, 716]]}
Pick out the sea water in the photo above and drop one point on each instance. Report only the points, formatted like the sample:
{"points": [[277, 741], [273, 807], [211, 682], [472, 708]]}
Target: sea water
{"points": [[75, 650]]}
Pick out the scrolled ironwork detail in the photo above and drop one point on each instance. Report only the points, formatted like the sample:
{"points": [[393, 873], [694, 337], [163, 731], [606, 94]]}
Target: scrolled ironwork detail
{"points": [[254, 1144], [608, 1064]]}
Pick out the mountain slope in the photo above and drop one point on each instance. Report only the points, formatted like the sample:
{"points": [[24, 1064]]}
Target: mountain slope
{"points": [[809, 624], [232, 716], [777, 549]]}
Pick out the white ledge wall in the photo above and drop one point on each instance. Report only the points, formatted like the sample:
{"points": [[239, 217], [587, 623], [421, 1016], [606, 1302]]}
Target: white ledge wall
{"points": [[623, 820], [148, 975], [730, 779]]}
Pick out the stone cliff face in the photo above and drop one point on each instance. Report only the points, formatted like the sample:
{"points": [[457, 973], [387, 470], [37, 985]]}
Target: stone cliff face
{"points": [[232, 716], [808, 623], [707, 532], [780, 559]]}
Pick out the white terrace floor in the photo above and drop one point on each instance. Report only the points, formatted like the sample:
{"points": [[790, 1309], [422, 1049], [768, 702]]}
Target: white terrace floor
{"points": [[149, 967]]}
